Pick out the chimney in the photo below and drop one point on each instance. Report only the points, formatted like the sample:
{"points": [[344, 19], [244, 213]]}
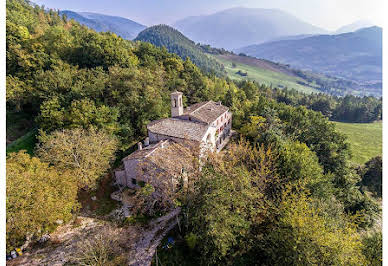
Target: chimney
{"points": [[176, 104], [139, 146], [146, 141]]}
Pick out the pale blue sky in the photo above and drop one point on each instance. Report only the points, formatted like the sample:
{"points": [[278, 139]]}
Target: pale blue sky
{"points": [[329, 14]]}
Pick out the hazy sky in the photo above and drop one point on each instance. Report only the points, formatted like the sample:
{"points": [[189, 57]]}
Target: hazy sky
{"points": [[328, 14]]}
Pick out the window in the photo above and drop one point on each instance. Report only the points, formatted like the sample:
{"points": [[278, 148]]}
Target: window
{"points": [[174, 102], [180, 101], [133, 181]]}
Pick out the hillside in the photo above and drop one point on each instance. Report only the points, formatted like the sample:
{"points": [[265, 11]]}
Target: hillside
{"points": [[238, 27], [123, 27], [263, 72], [365, 139], [356, 56], [283, 76], [176, 42]]}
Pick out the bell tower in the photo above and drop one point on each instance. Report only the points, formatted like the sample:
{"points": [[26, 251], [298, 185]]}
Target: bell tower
{"points": [[176, 104]]}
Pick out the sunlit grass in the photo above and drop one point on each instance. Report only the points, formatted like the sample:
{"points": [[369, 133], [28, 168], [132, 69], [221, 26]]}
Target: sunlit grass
{"points": [[264, 76], [365, 139]]}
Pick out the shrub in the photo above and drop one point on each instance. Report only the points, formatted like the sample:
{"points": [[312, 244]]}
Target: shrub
{"points": [[101, 250]]}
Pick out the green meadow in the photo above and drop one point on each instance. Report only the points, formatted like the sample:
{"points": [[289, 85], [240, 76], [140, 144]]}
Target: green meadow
{"points": [[366, 139], [264, 76]]}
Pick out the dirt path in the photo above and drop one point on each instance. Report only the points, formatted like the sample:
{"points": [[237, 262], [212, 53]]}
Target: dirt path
{"points": [[145, 247]]}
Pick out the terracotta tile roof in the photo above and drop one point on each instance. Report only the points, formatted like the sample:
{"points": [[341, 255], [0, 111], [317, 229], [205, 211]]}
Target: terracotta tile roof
{"points": [[206, 112], [179, 128]]}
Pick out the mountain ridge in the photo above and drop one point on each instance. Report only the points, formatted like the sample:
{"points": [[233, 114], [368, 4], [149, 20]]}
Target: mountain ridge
{"points": [[237, 27], [355, 55], [354, 26], [126, 28]]}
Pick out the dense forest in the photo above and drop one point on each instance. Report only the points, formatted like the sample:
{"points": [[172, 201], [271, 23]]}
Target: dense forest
{"points": [[344, 109], [285, 193], [176, 42]]}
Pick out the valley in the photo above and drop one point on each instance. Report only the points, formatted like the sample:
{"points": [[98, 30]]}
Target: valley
{"points": [[356, 56]]}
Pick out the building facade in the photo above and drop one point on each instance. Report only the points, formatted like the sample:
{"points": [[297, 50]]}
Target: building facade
{"points": [[206, 124]]}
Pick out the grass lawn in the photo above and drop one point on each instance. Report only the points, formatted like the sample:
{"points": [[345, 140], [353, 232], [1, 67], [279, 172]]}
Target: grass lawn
{"points": [[264, 76], [366, 139]]}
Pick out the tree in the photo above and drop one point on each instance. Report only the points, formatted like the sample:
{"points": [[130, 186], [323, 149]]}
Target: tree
{"points": [[372, 175], [229, 198], [297, 164], [38, 196], [88, 153], [373, 248], [303, 235]]}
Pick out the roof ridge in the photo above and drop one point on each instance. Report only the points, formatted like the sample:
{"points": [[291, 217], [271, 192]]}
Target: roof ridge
{"points": [[157, 146], [207, 102]]}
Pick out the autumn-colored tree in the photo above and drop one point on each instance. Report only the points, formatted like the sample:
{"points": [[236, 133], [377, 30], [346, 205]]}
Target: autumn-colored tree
{"points": [[302, 235], [38, 197], [87, 153]]}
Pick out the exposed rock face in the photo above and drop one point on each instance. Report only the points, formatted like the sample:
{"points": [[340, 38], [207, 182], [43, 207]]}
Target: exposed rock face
{"points": [[64, 242], [135, 243]]}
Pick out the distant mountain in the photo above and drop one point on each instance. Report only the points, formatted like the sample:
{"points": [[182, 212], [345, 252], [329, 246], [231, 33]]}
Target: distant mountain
{"points": [[354, 26], [123, 27], [292, 37], [356, 56], [237, 27], [176, 42], [281, 76]]}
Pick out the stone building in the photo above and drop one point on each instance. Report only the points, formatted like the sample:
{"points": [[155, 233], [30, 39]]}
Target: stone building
{"points": [[206, 125]]}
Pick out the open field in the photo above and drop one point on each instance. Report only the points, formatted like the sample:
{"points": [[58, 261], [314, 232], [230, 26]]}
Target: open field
{"points": [[262, 72], [365, 139]]}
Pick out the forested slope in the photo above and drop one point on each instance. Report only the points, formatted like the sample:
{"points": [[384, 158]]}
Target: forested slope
{"points": [[176, 42]]}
